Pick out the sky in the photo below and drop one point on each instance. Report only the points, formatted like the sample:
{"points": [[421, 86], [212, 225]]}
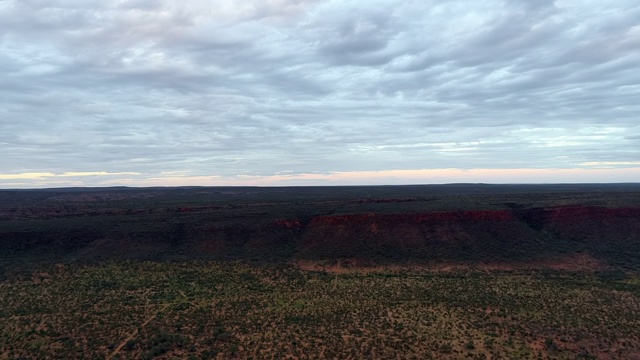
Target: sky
{"points": [[314, 92]]}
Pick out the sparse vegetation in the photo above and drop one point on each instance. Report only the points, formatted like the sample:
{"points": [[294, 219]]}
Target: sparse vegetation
{"points": [[416, 272], [225, 309]]}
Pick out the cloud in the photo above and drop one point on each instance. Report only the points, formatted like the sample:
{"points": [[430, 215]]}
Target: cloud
{"points": [[227, 88], [611, 163], [386, 177], [30, 176]]}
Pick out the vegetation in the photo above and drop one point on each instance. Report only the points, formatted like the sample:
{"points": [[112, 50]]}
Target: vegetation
{"points": [[413, 272], [281, 224], [208, 310]]}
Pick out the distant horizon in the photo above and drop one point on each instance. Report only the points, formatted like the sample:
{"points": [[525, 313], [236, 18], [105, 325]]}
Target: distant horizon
{"points": [[240, 184]]}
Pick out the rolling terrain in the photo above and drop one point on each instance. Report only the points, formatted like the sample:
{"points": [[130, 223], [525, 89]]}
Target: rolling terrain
{"points": [[398, 272], [507, 225]]}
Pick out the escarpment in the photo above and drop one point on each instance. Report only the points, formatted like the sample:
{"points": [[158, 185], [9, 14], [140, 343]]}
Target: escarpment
{"points": [[215, 232], [430, 235]]}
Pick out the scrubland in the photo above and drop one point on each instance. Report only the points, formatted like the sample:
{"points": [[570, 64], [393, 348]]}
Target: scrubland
{"points": [[221, 310]]}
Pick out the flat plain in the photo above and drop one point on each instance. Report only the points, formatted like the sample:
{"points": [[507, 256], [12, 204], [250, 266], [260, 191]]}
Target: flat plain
{"points": [[204, 310]]}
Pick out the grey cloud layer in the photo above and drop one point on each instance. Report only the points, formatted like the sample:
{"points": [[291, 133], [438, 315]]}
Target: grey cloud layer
{"points": [[263, 87]]}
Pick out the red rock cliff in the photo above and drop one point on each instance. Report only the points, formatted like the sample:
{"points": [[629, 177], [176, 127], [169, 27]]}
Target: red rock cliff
{"points": [[407, 235]]}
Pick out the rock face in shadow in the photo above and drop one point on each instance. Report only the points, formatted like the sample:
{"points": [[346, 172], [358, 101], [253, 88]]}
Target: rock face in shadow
{"points": [[484, 236], [461, 235], [505, 236], [612, 234]]}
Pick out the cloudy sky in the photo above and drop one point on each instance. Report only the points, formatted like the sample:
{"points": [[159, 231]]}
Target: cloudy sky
{"points": [[291, 92]]}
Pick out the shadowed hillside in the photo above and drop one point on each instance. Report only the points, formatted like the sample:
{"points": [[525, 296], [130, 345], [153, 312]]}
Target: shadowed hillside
{"points": [[453, 224]]}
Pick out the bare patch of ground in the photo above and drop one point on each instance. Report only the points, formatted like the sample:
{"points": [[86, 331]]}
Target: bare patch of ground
{"points": [[573, 262], [135, 332]]}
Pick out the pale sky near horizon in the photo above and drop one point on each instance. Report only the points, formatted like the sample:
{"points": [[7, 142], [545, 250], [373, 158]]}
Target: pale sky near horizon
{"points": [[314, 92]]}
